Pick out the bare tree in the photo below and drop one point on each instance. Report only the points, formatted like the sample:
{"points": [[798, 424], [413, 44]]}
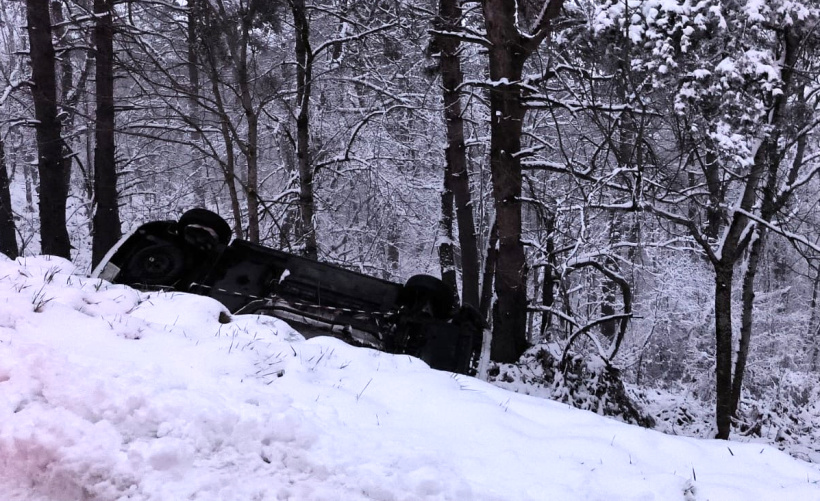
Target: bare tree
{"points": [[8, 230], [304, 87], [456, 177], [53, 188], [509, 49], [106, 216]]}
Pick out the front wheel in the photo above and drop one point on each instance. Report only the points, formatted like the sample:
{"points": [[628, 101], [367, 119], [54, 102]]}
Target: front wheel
{"points": [[427, 295], [158, 264]]}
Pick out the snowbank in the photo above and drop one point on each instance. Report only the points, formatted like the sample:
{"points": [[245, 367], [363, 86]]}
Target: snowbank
{"points": [[107, 393]]}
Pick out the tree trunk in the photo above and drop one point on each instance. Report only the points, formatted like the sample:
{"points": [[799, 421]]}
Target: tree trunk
{"points": [[229, 163], [489, 273], [813, 337], [455, 153], [29, 174], [8, 230], [714, 211], [238, 44], [304, 69], [627, 153], [194, 94], [508, 51], [53, 190], [746, 315], [608, 287], [213, 65], [767, 160], [446, 255], [250, 147], [107, 216], [735, 241], [252, 159], [194, 13], [724, 272], [507, 58], [548, 285], [66, 83], [393, 254], [770, 155]]}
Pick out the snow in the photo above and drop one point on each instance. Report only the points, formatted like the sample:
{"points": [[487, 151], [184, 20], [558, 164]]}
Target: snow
{"points": [[108, 393]]}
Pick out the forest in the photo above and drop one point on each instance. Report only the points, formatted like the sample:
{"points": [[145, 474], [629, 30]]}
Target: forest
{"points": [[626, 190]]}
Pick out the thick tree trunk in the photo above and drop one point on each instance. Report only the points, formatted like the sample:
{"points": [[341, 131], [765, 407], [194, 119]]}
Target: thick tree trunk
{"points": [[813, 303], [506, 119], [508, 51], [53, 190], [66, 83], [628, 154], [106, 216], [724, 272], [304, 69], [714, 211], [456, 172], [8, 230], [509, 315]]}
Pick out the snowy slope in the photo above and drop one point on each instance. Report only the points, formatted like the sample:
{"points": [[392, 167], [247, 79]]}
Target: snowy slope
{"points": [[107, 393]]}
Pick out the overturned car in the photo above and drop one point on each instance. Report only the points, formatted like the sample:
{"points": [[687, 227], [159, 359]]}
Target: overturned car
{"points": [[195, 254]]}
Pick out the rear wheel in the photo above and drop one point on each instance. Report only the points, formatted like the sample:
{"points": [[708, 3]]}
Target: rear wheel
{"points": [[158, 264], [203, 219]]}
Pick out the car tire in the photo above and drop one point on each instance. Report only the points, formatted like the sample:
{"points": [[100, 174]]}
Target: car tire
{"points": [[426, 294], [208, 219], [158, 264]]}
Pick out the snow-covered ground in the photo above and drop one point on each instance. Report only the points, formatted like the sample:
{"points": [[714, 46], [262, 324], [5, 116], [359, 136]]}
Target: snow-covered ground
{"points": [[107, 393]]}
